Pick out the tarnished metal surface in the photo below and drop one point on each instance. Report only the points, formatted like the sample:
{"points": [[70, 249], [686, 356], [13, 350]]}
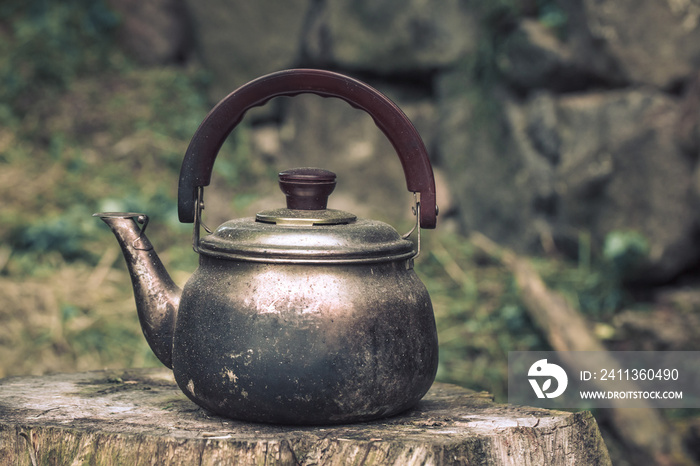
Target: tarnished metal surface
{"points": [[305, 344], [359, 241], [157, 296]]}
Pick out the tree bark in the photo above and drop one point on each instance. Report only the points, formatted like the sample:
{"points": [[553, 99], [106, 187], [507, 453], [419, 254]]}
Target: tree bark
{"points": [[140, 417]]}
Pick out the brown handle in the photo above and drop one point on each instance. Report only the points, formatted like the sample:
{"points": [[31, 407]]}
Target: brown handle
{"points": [[217, 125]]}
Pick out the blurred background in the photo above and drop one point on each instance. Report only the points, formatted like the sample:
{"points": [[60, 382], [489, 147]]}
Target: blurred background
{"points": [[566, 131]]}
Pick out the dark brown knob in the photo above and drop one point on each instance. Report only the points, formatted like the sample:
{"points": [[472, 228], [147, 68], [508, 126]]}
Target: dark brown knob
{"points": [[307, 188]]}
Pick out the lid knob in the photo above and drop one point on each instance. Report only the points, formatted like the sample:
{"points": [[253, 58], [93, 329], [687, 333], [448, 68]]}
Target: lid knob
{"points": [[307, 188]]}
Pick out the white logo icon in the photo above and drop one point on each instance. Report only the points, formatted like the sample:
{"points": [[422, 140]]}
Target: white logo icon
{"points": [[542, 368]]}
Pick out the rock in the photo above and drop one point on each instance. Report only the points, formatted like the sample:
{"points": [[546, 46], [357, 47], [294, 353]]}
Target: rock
{"points": [[391, 36], [534, 57], [488, 176], [663, 329], [688, 126], [241, 41], [155, 32], [653, 42], [621, 169], [564, 165]]}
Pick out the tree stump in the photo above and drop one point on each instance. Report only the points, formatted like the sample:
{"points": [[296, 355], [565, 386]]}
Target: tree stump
{"points": [[139, 417]]}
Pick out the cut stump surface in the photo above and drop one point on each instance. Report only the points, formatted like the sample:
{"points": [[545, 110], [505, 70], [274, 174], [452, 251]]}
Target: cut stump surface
{"points": [[140, 417]]}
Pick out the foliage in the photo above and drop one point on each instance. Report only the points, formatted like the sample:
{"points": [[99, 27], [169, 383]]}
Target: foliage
{"points": [[62, 165], [499, 19], [625, 251], [85, 130], [45, 45], [81, 127], [481, 317], [64, 233], [552, 16]]}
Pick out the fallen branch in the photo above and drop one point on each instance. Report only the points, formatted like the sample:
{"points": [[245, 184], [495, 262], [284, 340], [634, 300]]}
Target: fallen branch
{"points": [[642, 430]]}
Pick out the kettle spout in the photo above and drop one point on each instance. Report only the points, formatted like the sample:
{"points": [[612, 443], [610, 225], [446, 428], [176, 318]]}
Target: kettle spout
{"points": [[157, 296]]}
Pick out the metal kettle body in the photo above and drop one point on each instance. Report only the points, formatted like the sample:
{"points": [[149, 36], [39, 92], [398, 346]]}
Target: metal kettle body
{"points": [[301, 315], [295, 344]]}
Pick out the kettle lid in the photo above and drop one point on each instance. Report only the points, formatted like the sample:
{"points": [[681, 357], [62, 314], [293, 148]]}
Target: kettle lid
{"points": [[307, 191], [306, 231]]}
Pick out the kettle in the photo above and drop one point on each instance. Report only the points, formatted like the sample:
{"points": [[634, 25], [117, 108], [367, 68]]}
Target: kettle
{"points": [[304, 314]]}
